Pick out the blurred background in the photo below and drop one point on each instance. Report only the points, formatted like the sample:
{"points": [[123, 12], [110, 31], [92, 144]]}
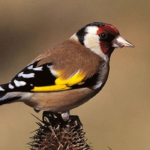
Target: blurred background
{"points": [[119, 116]]}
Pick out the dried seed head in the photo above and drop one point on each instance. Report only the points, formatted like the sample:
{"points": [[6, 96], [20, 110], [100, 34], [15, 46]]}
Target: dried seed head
{"points": [[56, 134]]}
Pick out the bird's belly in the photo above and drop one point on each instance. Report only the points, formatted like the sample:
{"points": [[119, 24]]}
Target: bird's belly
{"points": [[60, 101]]}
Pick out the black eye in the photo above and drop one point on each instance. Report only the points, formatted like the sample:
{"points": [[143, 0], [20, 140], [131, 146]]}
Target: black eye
{"points": [[103, 35]]}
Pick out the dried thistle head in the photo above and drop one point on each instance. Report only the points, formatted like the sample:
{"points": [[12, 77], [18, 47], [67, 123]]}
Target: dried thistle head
{"points": [[56, 134]]}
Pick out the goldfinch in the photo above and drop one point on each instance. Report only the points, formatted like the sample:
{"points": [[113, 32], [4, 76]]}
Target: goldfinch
{"points": [[67, 75]]}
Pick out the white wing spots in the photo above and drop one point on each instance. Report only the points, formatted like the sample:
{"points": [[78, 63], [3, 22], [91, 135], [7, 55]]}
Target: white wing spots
{"points": [[38, 69], [19, 83], [11, 86], [30, 75], [1, 89], [30, 67], [20, 74]]}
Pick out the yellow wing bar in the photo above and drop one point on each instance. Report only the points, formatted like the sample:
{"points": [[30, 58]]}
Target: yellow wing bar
{"points": [[62, 84], [50, 88]]}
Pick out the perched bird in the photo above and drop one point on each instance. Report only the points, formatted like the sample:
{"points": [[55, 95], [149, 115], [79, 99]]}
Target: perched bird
{"points": [[68, 74]]}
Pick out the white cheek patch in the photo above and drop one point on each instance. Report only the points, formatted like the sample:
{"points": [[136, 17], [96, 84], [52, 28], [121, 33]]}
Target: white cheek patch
{"points": [[1, 89], [91, 29], [19, 83], [91, 41], [11, 86]]}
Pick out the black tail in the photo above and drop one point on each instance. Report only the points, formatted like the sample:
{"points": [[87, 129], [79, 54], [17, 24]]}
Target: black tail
{"points": [[2, 94], [6, 96], [9, 100], [3, 90]]}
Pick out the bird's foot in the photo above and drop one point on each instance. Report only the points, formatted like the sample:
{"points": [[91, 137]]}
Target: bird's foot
{"points": [[76, 118], [65, 116], [73, 118]]}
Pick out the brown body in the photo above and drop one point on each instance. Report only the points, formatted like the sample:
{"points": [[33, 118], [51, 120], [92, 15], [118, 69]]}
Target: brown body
{"points": [[60, 101], [79, 58], [73, 53]]}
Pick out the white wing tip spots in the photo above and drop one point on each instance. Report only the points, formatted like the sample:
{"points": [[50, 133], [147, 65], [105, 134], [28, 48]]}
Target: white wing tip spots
{"points": [[1, 89], [20, 74], [38, 68], [19, 83], [35, 69], [11, 86], [30, 75]]}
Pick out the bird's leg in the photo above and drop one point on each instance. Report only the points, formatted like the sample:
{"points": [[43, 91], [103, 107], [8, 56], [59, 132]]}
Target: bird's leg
{"points": [[65, 115]]}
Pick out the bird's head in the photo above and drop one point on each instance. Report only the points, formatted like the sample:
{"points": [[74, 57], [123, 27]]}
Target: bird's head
{"points": [[101, 38]]}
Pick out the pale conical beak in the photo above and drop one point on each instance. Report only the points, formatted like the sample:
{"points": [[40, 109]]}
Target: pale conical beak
{"points": [[121, 42]]}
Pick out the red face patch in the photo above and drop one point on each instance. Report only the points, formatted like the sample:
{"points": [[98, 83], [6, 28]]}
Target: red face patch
{"points": [[105, 45], [109, 29]]}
